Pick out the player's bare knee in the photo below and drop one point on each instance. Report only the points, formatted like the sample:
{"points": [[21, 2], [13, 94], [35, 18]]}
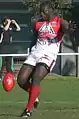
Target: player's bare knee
{"points": [[36, 80]]}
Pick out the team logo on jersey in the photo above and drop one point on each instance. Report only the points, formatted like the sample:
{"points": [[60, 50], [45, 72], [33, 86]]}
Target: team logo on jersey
{"points": [[47, 31]]}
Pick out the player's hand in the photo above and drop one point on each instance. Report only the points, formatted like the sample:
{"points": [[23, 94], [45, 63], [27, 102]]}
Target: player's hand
{"points": [[72, 25], [13, 21]]}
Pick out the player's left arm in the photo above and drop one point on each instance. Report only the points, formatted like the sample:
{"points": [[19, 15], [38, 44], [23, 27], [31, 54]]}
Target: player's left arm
{"points": [[34, 38], [66, 26]]}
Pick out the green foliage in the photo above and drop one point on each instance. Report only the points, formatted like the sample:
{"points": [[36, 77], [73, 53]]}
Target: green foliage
{"points": [[62, 7], [33, 5]]}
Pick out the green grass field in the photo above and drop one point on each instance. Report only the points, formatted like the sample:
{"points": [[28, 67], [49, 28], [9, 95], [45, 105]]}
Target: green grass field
{"points": [[59, 99]]}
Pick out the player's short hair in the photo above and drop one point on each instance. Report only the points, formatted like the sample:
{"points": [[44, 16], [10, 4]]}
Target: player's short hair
{"points": [[49, 4]]}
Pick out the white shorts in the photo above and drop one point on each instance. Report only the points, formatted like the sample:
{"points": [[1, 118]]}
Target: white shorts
{"points": [[47, 55]]}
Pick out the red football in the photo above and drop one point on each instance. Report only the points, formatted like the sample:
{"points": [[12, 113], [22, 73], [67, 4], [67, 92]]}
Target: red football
{"points": [[8, 82]]}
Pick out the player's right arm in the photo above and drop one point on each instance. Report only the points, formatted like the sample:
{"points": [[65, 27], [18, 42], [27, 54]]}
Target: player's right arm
{"points": [[34, 38]]}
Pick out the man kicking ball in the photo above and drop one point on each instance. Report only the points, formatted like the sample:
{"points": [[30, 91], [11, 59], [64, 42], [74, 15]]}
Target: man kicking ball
{"points": [[48, 32]]}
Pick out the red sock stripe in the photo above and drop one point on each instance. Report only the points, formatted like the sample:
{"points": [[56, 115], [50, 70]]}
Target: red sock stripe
{"points": [[33, 95]]}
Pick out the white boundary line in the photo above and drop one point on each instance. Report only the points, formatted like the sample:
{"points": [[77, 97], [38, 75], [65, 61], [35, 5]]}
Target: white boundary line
{"points": [[48, 102], [44, 102], [14, 55], [21, 55]]}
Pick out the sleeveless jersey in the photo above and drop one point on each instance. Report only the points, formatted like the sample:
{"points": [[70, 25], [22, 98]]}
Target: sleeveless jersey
{"points": [[48, 30]]}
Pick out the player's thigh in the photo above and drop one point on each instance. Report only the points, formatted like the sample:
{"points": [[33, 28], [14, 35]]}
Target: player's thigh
{"points": [[27, 68], [39, 73], [24, 73]]}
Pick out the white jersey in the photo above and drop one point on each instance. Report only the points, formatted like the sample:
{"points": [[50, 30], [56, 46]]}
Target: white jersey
{"points": [[47, 46]]}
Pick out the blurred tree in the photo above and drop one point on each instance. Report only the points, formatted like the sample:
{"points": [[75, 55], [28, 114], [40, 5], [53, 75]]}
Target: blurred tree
{"points": [[33, 5], [61, 7]]}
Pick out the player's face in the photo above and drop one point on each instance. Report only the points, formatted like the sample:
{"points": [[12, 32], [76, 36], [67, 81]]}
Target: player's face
{"points": [[45, 13]]}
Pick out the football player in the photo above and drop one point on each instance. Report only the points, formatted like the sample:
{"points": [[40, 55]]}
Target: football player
{"points": [[48, 32]]}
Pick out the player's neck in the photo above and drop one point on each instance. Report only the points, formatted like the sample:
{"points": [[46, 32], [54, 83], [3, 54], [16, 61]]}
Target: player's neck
{"points": [[52, 16]]}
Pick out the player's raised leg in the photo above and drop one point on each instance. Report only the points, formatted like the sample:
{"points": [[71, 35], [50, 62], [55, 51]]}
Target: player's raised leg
{"points": [[23, 76]]}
